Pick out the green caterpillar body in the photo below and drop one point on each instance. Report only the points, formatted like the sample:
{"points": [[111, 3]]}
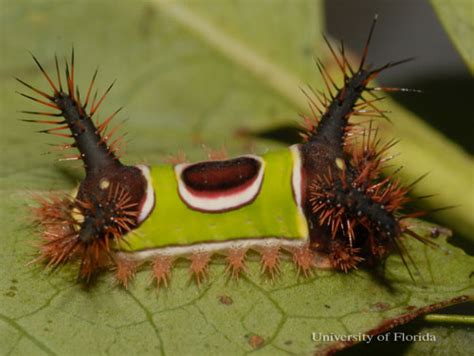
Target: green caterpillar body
{"points": [[272, 212]]}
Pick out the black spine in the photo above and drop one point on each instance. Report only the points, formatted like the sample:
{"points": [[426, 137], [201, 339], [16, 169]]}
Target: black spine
{"points": [[331, 129], [97, 157]]}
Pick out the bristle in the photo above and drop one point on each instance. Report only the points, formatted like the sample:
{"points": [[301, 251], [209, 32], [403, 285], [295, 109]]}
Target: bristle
{"points": [[389, 89], [58, 128], [162, 266], [95, 105], [199, 266], [402, 252], [216, 154], [56, 134], [41, 113], [327, 74], [69, 82], [321, 97], [377, 71], [125, 271], [94, 98], [72, 72], [54, 106], [325, 80], [78, 102], [90, 88], [58, 73], [236, 262], [180, 157], [304, 260], [369, 102], [420, 238], [58, 234], [62, 147], [56, 92], [344, 59], [117, 145], [270, 261], [345, 258], [335, 56], [313, 105], [107, 136], [48, 122], [70, 158], [367, 44], [43, 94], [104, 124]]}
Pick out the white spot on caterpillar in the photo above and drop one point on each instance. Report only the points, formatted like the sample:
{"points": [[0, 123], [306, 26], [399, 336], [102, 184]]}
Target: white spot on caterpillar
{"points": [[149, 202], [297, 187], [296, 174], [78, 217], [340, 164], [104, 183]]}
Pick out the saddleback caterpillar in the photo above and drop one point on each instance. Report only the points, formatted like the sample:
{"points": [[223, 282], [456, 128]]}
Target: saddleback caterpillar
{"points": [[323, 201]]}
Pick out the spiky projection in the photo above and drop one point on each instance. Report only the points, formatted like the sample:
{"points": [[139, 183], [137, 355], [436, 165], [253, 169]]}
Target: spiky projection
{"points": [[355, 213], [107, 202]]}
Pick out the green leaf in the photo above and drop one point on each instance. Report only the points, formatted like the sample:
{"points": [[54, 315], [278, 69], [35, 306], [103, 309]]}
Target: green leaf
{"points": [[183, 86], [458, 20]]}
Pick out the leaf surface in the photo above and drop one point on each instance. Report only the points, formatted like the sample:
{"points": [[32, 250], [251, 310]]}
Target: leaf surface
{"points": [[456, 17], [183, 88]]}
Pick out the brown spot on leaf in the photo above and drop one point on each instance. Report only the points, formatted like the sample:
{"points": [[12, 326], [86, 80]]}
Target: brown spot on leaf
{"points": [[226, 300], [256, 341]]}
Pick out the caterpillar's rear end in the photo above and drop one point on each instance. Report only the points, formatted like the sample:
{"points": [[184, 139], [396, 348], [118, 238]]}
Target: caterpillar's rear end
{"points": [[353, 213]]}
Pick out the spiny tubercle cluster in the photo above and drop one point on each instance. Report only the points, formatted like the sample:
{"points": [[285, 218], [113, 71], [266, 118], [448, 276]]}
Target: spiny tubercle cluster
{"points": [[355, 214], [107, 203]]}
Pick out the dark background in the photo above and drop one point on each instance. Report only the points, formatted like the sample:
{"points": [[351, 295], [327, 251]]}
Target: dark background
{"points": [[410, 28]]}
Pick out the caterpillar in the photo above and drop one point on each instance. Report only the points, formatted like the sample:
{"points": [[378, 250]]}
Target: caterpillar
{"points": [[323, 201]]}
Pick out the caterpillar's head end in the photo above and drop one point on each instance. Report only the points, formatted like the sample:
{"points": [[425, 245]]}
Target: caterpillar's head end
{"points": [[88, 226], [111, 200]]}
